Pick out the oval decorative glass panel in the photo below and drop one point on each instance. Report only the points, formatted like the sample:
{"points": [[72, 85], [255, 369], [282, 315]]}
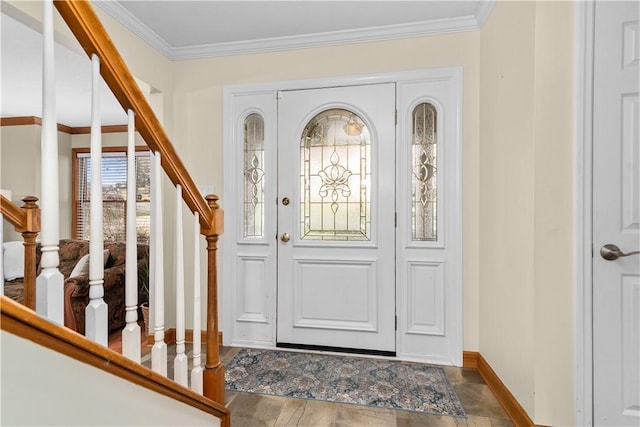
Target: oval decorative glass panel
{"points": [[335, 177], [253, 176], [424, 225]]}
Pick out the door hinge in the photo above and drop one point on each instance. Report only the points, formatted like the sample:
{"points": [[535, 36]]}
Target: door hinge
{"points": [[396, 322], [395, 219], [396, 117]]}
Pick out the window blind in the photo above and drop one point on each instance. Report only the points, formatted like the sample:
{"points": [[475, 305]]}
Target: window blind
{"points": [[114, 195]]}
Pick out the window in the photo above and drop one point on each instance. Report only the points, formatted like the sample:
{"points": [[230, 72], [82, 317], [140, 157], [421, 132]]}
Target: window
{"points": [[254, 176], [335, 177], [114, 193], [424, 160]]}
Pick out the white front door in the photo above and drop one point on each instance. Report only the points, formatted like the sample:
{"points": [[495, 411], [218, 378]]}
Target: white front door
{"points": [[336, 225], [616, 215], [384, 196]]}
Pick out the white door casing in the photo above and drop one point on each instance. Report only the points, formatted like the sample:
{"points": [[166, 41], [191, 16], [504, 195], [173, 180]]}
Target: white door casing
{"points": [[432, 331], [616, 214], [332, 292]]}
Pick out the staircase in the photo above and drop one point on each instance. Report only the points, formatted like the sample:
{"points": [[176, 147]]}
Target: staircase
{"points": [[39, 320]]}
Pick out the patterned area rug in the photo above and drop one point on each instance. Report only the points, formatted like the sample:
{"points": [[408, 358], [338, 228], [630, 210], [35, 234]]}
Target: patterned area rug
{"points": [[344, 379]]}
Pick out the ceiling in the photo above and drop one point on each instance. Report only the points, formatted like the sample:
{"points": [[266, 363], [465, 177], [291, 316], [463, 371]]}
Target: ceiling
{"points": [[193, 29], [197, 29], [21, 76]]}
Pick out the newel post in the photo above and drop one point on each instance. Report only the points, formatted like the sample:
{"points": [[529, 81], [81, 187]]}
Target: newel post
{"points": [[29, 235], [213, 375]]}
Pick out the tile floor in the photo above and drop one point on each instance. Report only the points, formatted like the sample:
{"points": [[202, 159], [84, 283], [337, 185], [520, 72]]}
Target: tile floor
{"points": [[254, 410]]}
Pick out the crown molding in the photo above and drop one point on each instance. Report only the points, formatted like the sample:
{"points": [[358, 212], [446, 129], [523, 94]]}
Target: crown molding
{"points": [[327, 39], [126, 18], [483, 9], [414, 29]]}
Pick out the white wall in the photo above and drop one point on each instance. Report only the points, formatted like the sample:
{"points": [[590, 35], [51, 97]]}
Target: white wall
{"points": [[44, 388], [20, 171], [517, 178], [113, 139], [198, 109], [20, 167], [506, 190], [554, 214], [526, 213]]}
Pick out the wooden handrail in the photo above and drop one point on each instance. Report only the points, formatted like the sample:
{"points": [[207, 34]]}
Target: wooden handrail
{"points": [[89, 31], [23, 322], [26, 221], [12, 213], [87, 28]]}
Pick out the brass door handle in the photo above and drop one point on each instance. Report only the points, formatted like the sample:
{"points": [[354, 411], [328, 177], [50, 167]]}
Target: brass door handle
{"points": [[611, 252], [285, 237]]}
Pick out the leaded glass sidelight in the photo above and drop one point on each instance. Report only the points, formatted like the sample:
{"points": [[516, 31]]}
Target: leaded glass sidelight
{"points": [[335, 177], [424, 224], [253, 176]]}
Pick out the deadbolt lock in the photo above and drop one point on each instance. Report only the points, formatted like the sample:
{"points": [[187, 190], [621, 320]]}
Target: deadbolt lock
{"points": [[285, 201]]}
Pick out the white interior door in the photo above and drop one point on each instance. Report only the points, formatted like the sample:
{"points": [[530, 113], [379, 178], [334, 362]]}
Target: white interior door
{"points": [[336, 225], [616, 215]]}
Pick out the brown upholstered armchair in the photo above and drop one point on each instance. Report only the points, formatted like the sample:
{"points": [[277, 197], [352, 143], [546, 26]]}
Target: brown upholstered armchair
{"points": [[76, 288]]}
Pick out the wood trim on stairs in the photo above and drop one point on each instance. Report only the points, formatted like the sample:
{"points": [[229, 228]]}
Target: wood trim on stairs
{"points": [[105, 129], [515, 411], [18, 320], [35, 120]]}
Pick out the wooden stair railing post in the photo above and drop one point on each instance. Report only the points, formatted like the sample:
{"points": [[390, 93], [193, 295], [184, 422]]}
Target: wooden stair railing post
{"points": [[213, 375], [30, 230]]}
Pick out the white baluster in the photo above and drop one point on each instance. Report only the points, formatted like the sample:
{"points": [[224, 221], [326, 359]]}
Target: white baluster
{"points": [[152, 251], [131, 332], [180, 369], [196, 371], [159, 349], [96, 322], [50, 282]]}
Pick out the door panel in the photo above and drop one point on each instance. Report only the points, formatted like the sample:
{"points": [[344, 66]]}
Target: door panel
{"points": [[616, 215], [336, 264], [335, 294]]}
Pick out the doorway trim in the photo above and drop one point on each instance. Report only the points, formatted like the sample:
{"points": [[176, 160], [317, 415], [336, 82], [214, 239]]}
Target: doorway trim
{"points": [[269, 91], [585, 39]]}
